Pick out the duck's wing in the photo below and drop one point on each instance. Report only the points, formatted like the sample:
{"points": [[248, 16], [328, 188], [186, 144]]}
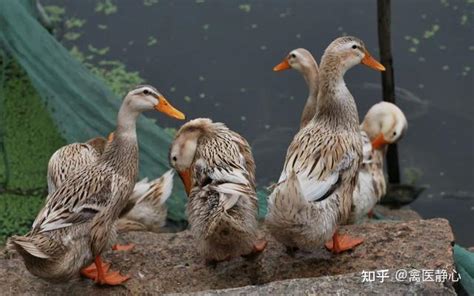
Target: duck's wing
{"points": [[83, 195], [67, 160], [319, 162]]}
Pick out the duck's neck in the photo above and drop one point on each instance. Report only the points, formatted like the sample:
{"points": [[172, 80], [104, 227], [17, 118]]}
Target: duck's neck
{"points": [[122, 153], [336, 105], [311, 76]]}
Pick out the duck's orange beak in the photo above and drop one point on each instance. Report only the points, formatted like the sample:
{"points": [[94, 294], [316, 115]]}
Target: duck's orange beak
{"points": [[165, 107], [368, 60], [379, 142], [186, 178], [110, 138], [284, 65]]}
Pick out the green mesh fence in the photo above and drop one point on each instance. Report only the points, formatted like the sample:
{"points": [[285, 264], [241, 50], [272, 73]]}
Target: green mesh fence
{"points": [[79, 103]]}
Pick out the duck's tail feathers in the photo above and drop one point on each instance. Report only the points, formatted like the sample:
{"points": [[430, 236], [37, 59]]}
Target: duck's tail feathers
{"points": [[159, 190], [33, 246]]}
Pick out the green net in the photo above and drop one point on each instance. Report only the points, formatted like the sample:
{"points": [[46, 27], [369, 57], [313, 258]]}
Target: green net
{"points": [[79, 103]]}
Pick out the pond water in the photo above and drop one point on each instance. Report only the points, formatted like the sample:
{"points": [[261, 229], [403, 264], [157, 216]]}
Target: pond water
{"points": [[214, 59]]}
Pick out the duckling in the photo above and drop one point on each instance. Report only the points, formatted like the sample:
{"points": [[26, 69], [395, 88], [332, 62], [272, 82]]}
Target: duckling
{"points": [[218, 172], [314, 192], [77, 224], [303, 61], [383, 124]]}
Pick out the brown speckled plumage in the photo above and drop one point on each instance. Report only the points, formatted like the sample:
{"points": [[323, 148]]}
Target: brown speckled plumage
{"points": [[314, 192], [77, 222], [222, 208]]}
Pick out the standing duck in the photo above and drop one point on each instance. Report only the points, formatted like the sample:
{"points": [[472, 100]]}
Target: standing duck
{"points": [[383, 124], [218, 172], [146, 209], [303, 61], [77, 223], [314, 193]]}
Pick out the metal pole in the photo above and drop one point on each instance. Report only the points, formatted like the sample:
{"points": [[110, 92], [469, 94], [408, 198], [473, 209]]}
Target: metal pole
{"points": [[388, 81]]}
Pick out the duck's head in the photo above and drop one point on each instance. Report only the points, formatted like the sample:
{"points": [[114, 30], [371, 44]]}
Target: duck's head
{"points": [[147, 98], [299, 59], [352, 51], [385, 124], [184, 146]]}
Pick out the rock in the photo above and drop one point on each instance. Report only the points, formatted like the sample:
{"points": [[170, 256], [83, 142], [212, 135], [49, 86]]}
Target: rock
{"points": [[346, 284], [168, 263]]}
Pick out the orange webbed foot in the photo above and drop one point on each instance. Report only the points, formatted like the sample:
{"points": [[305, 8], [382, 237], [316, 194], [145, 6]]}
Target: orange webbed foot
{"points": [[100, 273], [342, 242], [118, 247]]}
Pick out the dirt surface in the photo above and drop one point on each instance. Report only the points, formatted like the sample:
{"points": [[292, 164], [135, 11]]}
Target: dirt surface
{"points": [[167, 263]]}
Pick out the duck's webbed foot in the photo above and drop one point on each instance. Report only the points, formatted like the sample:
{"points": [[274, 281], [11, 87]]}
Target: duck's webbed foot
{"points": [[118, 247], [101, 274], [342, 242]]}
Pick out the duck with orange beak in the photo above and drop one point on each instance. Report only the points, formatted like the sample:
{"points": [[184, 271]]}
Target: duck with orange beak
{"points": [[78, 222], [218, 172], [314, 193], [383, 124]]}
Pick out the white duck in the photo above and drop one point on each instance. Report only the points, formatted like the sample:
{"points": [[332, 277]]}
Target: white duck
{"points": [[314, 193], [383, 124]]}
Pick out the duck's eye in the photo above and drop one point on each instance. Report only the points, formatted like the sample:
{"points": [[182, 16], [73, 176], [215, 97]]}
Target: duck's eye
{"points": [[293, 55], [174, 158], [354, 46], [394, 133], [146, 92]]}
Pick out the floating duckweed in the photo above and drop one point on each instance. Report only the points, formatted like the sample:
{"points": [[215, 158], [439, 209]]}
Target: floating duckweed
{"points": [[102, 27], [292, 98], [243, 118], [421, 85], [423, 16], [412, 49], [471, 47], [71, 36], [172, 89], [298, 36], [150, 2], [464, 19], [106, 7], [74, 23], [245, 7], [217, 104], [206, 27], [407, 37], [254, 26], [202, 95], [200, 1], [263, 47], [340, 28], [187, 99], [202, 78], [55, 13], [443, 47], [415, 41], [421, 59], [243, 89], [267, 126], [131, 42], [467, 68], [445, 67], [430, 33], [98, 51], [151, 41], [445, 3]]}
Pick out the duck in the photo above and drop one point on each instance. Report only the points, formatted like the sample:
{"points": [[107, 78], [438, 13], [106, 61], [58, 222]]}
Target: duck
{"points": [[146, 209], [313, 195], [218, 172], [77, 223], [303, 61], [384, 124]]}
